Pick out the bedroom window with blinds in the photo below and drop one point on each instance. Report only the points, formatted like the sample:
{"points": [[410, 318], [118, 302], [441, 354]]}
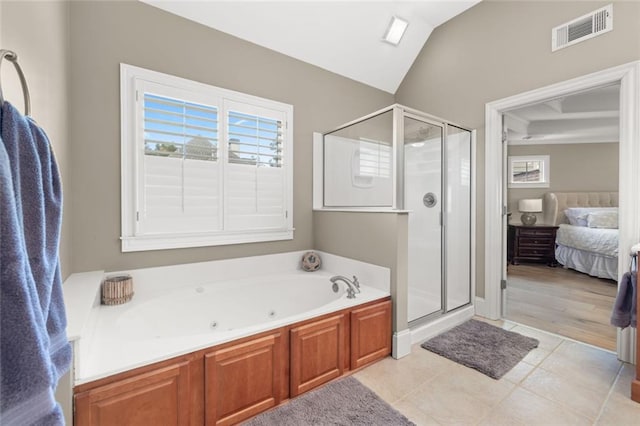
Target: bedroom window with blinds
{"points": [[529, 171], [202, 165]]}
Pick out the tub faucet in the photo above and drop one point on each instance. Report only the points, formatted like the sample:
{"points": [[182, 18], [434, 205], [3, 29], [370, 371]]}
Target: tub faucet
{"points": [[353, 287], [356, 283]]}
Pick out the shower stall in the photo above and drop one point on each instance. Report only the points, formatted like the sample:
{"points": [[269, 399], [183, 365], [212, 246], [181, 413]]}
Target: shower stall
{"points": [[400, 159]]}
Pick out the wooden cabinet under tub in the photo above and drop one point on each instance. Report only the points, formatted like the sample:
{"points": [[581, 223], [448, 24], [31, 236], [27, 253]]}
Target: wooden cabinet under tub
{"points": [[370, 334], [243, 379], [234, 381], [164, 395], [317, 353]]}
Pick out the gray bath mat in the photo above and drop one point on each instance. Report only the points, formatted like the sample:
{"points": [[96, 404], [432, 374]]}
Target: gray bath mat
{"points": [[343, 402], [481, 346]]}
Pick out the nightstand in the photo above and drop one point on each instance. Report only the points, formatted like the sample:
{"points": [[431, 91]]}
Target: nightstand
{"points": [[532, 243]]}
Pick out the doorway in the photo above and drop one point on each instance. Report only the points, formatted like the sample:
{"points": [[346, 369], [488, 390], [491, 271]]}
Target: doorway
{"points": [[628, 76], [562, 273]]}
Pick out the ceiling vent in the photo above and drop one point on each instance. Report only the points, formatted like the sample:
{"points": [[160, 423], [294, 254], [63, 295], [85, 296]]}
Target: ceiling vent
{"points": [[583, 28]]}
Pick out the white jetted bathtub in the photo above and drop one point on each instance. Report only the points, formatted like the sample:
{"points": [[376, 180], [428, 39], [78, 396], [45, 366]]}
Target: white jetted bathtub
{"points": [[184, 308], [218, 309]]}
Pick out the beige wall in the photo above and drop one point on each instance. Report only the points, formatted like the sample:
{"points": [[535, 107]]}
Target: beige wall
{"points": [[494, 50], [104, 34], [498, 49], [378, 238], [574, 167], [38, 33]]}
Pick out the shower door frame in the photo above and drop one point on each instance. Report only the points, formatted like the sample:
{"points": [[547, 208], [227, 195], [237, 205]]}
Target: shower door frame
{"points": [[401, 201], [400, 112], [397, 195]]}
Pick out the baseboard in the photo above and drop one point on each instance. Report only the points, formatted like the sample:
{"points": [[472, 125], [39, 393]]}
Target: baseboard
{"points": [[481, 307], [626, 346], [433, 328], [401, 344]]}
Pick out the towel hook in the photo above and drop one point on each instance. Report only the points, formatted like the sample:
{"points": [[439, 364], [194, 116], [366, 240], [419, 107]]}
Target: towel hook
{"points": [[11, 56]]}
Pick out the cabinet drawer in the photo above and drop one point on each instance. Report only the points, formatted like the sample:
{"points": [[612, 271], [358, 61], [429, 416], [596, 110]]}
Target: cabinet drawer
{"points": [[525, 232], [536, 241], [533, 252]]}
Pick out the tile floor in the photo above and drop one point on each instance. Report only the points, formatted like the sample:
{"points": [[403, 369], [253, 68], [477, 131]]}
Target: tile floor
{"points": [[561, 382]]}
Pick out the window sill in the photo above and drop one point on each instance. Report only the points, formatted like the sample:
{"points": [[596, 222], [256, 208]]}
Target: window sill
{"points": [[361, 210], [164, 242], [528, 185]]}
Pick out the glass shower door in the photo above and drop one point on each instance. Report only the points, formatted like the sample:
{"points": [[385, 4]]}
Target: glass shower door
{"points": [[423, 196], [458, 218]]}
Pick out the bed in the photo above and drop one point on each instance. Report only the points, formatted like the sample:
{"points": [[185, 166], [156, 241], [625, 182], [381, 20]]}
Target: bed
{"points": [[587, 240]]}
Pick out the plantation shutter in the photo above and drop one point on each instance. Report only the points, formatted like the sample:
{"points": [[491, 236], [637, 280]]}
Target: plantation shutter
{"points": [[202, 165], [181, 171], [255, 176]]}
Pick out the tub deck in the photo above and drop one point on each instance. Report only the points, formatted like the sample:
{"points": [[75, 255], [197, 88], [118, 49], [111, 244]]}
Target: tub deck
{"points": [[185, 308]]}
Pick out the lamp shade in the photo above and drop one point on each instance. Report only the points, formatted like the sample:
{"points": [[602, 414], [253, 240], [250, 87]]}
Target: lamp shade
{"points": [[530, 206]]}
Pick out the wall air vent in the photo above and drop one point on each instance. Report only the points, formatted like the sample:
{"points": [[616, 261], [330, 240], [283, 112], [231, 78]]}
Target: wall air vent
{"points": [[583, 28]]}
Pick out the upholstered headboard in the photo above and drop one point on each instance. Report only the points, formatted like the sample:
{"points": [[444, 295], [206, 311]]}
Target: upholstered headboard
{"points": [[555, 203]]}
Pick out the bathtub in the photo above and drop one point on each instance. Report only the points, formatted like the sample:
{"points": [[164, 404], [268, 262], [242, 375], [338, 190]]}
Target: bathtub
{"points": [[220, 309], [178, 310]]}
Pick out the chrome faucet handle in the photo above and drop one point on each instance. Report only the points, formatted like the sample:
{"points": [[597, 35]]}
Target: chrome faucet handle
{"points": [[351, 294], [356, 283]]}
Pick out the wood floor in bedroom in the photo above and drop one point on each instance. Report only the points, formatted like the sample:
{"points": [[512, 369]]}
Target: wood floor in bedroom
{"points": [[562, 301]]}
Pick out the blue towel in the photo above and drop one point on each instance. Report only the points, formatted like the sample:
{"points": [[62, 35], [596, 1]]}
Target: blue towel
{"points": [[624, 312], [35, 349]]}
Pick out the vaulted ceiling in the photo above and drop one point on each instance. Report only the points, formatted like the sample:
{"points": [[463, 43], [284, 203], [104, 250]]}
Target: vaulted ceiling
{"points": [[344, 37]]}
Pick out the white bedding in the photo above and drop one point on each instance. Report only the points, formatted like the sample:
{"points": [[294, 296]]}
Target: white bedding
{"points": [[594, 240], [593, 264]]}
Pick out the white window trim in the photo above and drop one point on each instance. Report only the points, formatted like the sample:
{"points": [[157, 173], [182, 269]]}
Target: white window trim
{"points": [[546, 168], [130, 158]]}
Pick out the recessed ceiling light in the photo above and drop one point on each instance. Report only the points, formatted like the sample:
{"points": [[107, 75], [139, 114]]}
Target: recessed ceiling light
{"points": [[396, 30]]}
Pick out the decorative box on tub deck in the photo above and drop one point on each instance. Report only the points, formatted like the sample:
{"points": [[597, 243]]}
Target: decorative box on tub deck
{"points": [[117, 290]]}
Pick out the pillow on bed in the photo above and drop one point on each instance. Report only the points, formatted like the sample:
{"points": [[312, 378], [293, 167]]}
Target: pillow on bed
{"points": [[608, 220], [577, 216]]}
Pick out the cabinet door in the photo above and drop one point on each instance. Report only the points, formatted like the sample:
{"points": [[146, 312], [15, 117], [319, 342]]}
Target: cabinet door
{"points": [[370, 334], [158, 397], [243, 380], [317, 353]]}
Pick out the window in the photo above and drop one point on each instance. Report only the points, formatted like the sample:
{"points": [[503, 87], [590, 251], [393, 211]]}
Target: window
{"points": [[202, 165], [529, 171]]}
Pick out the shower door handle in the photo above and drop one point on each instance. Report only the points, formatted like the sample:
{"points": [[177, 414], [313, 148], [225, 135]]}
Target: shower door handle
{"points": [[430, 199]]}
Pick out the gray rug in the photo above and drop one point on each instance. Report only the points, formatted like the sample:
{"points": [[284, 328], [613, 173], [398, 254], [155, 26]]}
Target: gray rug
{"points": [[343, 402], [481, 346]]}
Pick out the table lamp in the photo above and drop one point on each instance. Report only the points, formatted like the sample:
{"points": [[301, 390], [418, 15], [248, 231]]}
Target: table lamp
{"points": [[528, 208]]}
